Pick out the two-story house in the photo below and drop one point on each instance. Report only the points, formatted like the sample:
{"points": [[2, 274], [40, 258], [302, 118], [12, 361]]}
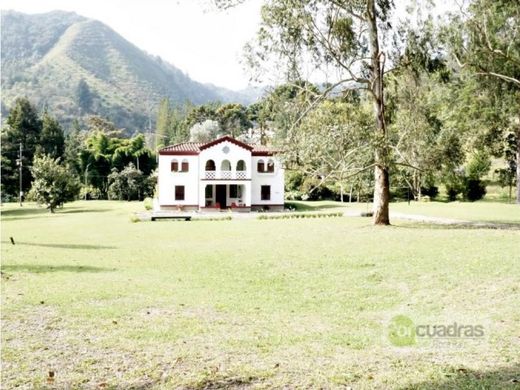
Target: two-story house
{"points": [[221, 174]]}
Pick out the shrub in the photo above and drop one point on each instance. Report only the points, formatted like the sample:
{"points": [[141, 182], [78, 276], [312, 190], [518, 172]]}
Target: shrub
{"points": [[134, 218], [300, 215], [475, 189], [293, 181], [89, 192], [431, 191], [148, 203]]}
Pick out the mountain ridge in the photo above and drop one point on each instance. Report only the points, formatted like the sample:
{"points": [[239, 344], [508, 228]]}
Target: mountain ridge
{"points": [[56, 58]]}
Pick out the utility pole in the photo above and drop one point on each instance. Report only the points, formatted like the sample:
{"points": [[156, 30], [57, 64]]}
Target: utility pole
{"points": [[20, 193], [86, 175]]}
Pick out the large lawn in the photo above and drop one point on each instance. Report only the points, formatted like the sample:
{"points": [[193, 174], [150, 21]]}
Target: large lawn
{"points": [[103, 302]]}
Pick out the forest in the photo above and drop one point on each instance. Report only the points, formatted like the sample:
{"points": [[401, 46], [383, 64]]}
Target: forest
{"points": [[418, 111]]}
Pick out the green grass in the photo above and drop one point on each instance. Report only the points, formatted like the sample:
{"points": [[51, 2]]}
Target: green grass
{"points": [[482, 211], [105, 302], [477, 211]]}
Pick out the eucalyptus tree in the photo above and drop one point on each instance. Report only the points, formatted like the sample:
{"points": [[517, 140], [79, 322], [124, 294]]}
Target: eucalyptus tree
{"points": [[330, 144], [339, 35], [484, 40]]}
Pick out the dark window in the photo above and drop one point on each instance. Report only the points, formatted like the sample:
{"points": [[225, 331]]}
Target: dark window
{"points": [[185, 166], [209, 192], [174, 166], [270, 166], [179, 192], [260, 166], [225, 166], [265, 193], [233, 191], [210, 165], [241, 165]]}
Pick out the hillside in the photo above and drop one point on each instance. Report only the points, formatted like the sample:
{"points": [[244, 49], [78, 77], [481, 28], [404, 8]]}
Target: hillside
{"points": [[76, 66]]}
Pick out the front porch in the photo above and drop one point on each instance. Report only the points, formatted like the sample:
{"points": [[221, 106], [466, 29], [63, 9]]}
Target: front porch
{"points": [[217, 196]]}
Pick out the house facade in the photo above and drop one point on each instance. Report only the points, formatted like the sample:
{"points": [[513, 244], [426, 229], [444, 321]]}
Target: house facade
{"points": [[221, 174]]}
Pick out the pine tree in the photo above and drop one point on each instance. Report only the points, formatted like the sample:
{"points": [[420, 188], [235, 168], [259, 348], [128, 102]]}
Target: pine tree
{"points": [[23, 127]]}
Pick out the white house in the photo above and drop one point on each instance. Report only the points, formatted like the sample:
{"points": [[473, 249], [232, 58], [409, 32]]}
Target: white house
{"points": [[221, 174]]}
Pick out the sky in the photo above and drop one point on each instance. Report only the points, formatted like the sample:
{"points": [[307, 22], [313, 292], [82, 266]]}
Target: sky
{"points": [[205, 43]]}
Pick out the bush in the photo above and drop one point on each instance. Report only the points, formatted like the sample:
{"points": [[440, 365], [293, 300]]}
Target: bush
{"points": [[300, 215], [475, 189], [134, 218], [314, 191], [294, 195], [293, 181], [53, 183], [148, 203], [89, 192], [431, 191]]}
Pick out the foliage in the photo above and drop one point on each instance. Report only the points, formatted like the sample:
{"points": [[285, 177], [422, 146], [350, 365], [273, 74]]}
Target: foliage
{"points": [[52, 140], [84, 97], [129, 184], [93, 71], [53, 184], [205, 131], [299, 215], [23, 126], [233, 119], [89, 192], [148, 203], [105, 152]]}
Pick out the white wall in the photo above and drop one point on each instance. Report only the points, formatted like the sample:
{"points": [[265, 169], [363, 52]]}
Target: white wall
{"points": [[275, 180], [168, 180], [194, 185], [216, 154]]}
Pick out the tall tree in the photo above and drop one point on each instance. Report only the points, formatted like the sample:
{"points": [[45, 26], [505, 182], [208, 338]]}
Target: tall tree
{"points": [[23, 128], [84, 97], [344, 35], [485, 40], [52, 140], [233, 119], [163, 123]]}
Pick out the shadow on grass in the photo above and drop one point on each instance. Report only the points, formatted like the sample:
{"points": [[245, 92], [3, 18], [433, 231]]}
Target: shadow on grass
{"points": [[461, 378], [32, 211], [61, 246], [40, 268]]}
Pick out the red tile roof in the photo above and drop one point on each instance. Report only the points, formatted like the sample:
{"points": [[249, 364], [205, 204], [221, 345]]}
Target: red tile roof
{"points": [[194, 148]]}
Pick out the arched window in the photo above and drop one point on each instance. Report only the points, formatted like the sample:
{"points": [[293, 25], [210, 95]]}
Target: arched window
{"points": [[210, 165], [185, 166], [260, 166], [241, 165], [174, 166], [225, 166], [270, 166]]}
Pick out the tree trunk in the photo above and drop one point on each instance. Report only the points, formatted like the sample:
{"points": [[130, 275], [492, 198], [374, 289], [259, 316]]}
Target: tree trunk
{"points": [[381, 174], [518, 165]]}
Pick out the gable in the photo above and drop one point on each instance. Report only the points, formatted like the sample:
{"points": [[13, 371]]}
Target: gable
{"points": [[229, 139]]}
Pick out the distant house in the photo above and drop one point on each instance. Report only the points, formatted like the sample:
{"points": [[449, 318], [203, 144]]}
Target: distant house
{"points": [[221, 174]]}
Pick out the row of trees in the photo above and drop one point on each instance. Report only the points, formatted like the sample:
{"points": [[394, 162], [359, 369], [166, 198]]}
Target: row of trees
{"points": [[97, 162], [199, 123], [444, 97]]}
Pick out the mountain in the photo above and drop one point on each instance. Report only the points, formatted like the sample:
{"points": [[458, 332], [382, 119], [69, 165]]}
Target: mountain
{"points": [[75, 67]]}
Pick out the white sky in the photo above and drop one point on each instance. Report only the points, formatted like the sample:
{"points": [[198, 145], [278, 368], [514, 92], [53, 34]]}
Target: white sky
{"points": [[205, 43]]}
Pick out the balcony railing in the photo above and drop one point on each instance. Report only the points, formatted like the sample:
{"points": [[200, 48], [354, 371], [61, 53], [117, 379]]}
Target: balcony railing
{"points": [[225, 175]]}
